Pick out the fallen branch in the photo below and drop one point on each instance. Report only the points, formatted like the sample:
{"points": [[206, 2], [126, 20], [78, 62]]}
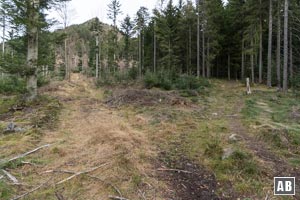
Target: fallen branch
{"points": [[175, 170], [31, 191], [25, 154], [11, 177], [79, 173], [1, 177], [90, 176], [117, 198]]}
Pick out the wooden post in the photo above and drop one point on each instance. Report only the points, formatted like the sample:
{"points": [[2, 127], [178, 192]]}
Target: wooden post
{"points": [[248, 86]]}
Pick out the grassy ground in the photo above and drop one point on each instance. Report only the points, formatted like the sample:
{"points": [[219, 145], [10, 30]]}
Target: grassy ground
{"points": [[265, 124], [134, 141]]}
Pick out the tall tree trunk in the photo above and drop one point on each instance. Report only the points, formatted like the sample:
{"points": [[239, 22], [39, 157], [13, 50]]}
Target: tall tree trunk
{"points": [[229, 70], [198, 39], [100, 64], [67, 67], [260, 48], [143, 52], [154, 50], [269, 73], [3, 34], [140, 54], [278, 50], [208, 58], [97, 56], [285, 46], [203, 53], [291, 54], [252, 61], [3, 39], [190, 48], [243, 60], [32, 48]]}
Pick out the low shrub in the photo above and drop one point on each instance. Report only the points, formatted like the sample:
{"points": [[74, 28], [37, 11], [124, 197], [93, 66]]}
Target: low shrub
{"points": [[167, 82], [12, 85]]}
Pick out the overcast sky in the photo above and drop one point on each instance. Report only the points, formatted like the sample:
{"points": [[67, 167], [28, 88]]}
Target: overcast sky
{"points": [[83, 10]]}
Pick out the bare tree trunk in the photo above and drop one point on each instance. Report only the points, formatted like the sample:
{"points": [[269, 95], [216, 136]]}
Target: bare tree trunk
{"points": [[32, 49], [97, 56], [100, 64], [67, 70], [291, 54], [278, 50], [3, 34], [252, 61], [190, 48], [229, 70], [208, 60], [243, 60], [285, 46], [154, 53], [203, 53], [260, 48], [198, 39], [3, 39], [140, 55], [269, 74]]}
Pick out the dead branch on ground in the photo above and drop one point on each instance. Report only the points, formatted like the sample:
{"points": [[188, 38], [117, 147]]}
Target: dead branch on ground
{"points": [[31, 191], [25, 154], [174, 170], [11, 177], [79, 173], [117, 198]]}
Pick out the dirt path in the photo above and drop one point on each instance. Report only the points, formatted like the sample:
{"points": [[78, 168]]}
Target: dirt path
{"points": [[89, 135], [274, 165]]}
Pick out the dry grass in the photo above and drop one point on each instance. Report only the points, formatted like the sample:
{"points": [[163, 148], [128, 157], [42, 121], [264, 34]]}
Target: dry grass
{"points": [[88, 135]]}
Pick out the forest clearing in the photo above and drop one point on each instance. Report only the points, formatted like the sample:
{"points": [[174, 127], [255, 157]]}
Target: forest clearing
{"points": [[161, 150], [179, 100]]}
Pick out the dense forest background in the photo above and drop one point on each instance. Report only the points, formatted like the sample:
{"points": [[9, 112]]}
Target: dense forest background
{"points": [[242, 38]]}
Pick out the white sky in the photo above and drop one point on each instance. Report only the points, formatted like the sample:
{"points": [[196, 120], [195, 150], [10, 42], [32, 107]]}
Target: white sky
{"points": [[87, 9]]}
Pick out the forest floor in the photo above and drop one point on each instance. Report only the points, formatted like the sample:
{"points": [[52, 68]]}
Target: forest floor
{"points": [[132, 143]]}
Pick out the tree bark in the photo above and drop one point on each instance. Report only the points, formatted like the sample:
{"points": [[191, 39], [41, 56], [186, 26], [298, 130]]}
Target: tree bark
{"points": [[198, 39], [203, 53], [243, 60], [269, 73], [208, 60], [154, 50], [260, 48], [32, 48], [291, 54], [252, 61], [97, 56], [278, 50], [285, 46], [66, 60], [3, 34], [229, 70], [190, 49], [140, 55]]}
